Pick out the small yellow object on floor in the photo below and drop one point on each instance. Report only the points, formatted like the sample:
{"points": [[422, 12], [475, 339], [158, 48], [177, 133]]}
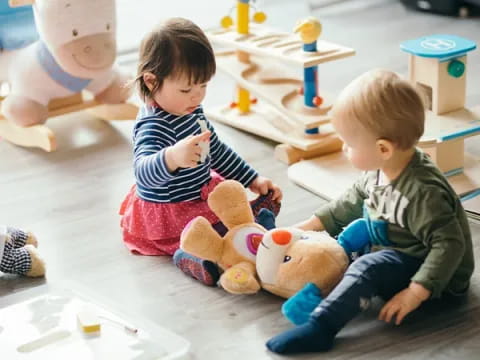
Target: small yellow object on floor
{"points": [[88, 321]]}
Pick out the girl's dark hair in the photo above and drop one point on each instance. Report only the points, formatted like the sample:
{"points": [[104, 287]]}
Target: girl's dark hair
{"points": [[175, 48]]}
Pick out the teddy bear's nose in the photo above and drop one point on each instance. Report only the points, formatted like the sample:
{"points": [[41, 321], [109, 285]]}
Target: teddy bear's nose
{"points": [[281, 237]]}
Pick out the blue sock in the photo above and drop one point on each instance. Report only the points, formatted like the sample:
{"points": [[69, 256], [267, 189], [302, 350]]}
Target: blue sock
{"points": [[298, 308], [202, 270], [314, 336], [266, 218]]}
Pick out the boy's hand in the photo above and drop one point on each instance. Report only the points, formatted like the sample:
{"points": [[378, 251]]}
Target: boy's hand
{"points": [[404, 302], [311, 224], [186, 153], [261, 185]]}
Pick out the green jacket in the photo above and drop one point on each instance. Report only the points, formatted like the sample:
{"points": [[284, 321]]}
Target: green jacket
{"points": [[425, 219]]}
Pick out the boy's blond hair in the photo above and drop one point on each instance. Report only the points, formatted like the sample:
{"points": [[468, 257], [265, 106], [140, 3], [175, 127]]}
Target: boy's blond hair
{"points": [[385, 105]]}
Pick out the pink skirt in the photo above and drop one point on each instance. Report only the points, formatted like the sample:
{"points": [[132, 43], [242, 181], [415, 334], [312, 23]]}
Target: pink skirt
{"points": [[151, 228]]}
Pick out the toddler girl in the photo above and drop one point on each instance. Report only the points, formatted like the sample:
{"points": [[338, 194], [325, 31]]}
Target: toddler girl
{"points": [[173, 177]]}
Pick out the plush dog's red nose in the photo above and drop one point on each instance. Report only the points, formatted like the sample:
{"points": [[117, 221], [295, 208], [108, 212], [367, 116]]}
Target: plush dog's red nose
{"points": [[281, 237]]}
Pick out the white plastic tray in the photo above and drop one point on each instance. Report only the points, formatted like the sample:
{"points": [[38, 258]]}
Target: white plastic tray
{"points": [[42, 324]]}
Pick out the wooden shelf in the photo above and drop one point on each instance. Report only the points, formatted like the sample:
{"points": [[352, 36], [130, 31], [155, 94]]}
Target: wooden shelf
{"points": [[271, 44]]}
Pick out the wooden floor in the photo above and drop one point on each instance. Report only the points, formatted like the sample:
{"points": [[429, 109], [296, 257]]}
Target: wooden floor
{"points": [[70, 199]]}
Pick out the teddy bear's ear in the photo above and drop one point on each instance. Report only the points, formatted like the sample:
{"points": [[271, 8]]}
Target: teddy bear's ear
{"points": [[230, 203]]}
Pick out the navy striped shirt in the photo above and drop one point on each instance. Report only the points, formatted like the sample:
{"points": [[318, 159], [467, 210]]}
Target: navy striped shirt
{"points": [[154, 131]]}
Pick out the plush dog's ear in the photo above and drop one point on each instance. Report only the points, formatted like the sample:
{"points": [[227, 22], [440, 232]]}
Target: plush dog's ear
{"points": [[230, 203], [201, 240]]}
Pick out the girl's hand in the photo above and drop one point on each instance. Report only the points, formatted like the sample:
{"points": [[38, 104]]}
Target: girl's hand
{"points": [[186, 152], [261, 185], [404, 302]]}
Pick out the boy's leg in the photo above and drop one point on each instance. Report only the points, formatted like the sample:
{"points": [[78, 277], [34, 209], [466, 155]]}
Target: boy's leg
{"points": [[202, 270], [379, 273]]}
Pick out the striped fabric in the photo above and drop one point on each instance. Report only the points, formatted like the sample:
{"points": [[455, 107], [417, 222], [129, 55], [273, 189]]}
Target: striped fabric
{"points": [[154, 131], [18, 236], [14, 258]]}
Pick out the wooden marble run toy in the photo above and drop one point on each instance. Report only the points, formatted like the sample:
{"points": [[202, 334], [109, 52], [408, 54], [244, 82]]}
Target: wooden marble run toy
{"points": [[438, 64], [291, 110]]}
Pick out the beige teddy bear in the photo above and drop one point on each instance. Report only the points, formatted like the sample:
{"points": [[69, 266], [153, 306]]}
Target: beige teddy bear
{"points": [[282, 260]]}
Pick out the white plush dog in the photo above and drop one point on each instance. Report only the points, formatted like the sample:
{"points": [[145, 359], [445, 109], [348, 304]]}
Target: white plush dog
{"points": [[76, 52]]}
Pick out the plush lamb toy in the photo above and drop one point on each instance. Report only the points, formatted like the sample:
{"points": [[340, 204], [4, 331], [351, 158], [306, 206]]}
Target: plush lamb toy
{"points": [[76, 52], [282, 260], [18, 253]]}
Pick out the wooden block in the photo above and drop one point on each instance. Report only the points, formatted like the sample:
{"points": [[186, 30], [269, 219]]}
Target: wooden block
{"points": [[290, 155]]}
